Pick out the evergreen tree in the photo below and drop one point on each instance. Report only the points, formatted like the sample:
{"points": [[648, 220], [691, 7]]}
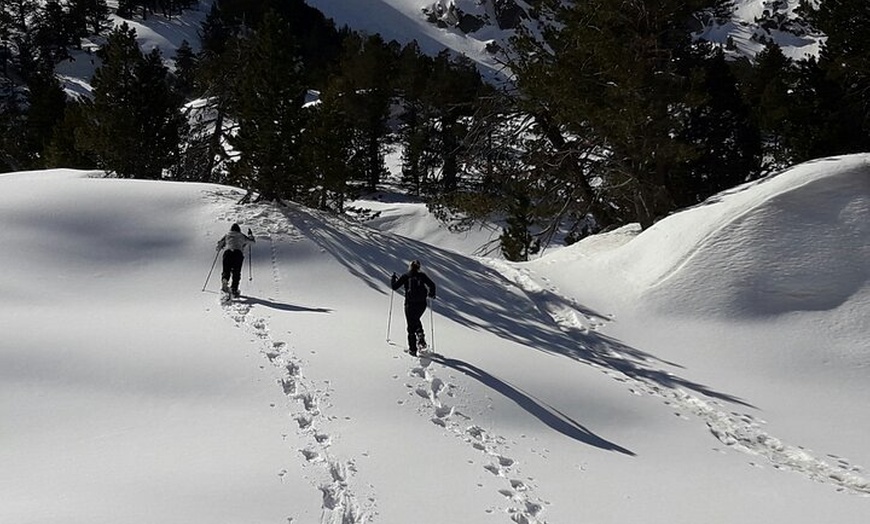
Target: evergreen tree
{"points": [[329, 153], [63, 149], [216, 79], [622, 77], [268, 108], [17, 36], [417, 131], [453, 89], [185, 68], [54, 34], [90, 17], [840, 77], [827, 120], [517, 242], [366, 69], [46, 102], [215, 32], [768, 91], [721, 131], [134, 118], [12, 119]]}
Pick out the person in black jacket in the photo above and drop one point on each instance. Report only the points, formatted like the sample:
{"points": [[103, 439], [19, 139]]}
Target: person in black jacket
{"points": [[418, 287]]}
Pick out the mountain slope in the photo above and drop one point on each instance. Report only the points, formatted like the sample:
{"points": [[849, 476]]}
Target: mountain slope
{"points": [[568, 390]]}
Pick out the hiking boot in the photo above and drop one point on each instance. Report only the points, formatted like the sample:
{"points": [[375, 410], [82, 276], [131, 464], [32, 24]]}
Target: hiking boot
{"points": [[225, 285]]}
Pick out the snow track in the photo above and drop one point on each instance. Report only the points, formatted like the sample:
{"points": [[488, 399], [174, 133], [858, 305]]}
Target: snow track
{"points": [[523, 505], [332, 476], [739, 431], [306, 401]]}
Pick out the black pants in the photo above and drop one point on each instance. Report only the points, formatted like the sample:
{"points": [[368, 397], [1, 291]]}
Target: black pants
{"points": [[413, 313], [233, 260]]}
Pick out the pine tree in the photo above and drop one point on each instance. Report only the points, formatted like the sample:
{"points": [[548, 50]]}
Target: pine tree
{"points": [[329, 153], [517, 242], [719, 128], [366, 69], [768, 91], [64, 150], [417, 126], [622, 77], [90, 17], [215, 32], [840, 77], [135, 120], [453, 89], [12, 118], [46, 102], [185, 68], [54, 34], [17, 37], [268, 108]]}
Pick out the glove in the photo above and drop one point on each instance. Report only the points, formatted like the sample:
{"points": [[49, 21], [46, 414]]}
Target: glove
{"points": [[250, 233], [393, 279]]}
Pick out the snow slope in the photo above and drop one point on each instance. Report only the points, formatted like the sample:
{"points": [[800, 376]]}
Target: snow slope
{"points": [[713, 368], [405, 21], [752, 23]]}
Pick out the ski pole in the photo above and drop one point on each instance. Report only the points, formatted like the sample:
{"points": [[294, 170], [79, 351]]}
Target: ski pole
{"points": [[210, 270], [390, 315], [431, 325], [250, 257]]}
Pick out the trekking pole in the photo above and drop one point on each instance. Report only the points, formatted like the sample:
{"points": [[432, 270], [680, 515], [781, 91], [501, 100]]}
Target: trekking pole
{"points": [[431, 325], [250, 263], [250, 256], [210, 270], [390, 315]]}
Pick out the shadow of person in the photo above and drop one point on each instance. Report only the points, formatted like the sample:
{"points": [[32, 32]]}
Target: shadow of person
{"points": [[285, 307], [544, 412]]}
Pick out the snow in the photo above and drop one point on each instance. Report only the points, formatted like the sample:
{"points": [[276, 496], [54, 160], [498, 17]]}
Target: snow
{"points": [[712, 368], [405, 21], [155, 32]]}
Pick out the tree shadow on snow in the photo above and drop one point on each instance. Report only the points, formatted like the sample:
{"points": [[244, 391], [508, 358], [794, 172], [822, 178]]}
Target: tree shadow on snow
{"points": [[479, 297], [544, 412]]}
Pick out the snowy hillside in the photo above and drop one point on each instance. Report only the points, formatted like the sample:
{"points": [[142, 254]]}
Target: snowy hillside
{"points": [[478, 28], [712, 369], [472, 28]]}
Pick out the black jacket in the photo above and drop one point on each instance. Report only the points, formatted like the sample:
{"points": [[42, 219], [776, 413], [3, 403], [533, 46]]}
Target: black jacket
{"points": [[417, 286]]}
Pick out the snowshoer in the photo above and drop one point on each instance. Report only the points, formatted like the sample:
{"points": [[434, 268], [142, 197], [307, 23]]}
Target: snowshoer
{"points": [[234, 242], [418, 287]]}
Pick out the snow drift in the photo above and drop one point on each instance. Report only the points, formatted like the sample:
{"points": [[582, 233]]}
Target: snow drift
{"points": [[797, 241]]}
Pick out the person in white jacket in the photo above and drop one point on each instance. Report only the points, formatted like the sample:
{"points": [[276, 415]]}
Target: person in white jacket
{"points": [[234, 244]]}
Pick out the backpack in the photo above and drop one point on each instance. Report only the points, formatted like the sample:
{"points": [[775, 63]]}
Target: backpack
{"points": [[416, 290]]}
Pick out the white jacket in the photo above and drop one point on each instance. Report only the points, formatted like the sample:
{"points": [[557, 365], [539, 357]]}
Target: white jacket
{"points": [[235, 240]]}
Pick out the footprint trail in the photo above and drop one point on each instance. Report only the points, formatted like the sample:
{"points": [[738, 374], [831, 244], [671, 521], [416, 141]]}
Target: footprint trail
{"points": [[522, 504]]}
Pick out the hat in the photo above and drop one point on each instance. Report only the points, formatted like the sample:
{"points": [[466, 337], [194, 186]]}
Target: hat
{"points": [[414, 265], [235, 227]]}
